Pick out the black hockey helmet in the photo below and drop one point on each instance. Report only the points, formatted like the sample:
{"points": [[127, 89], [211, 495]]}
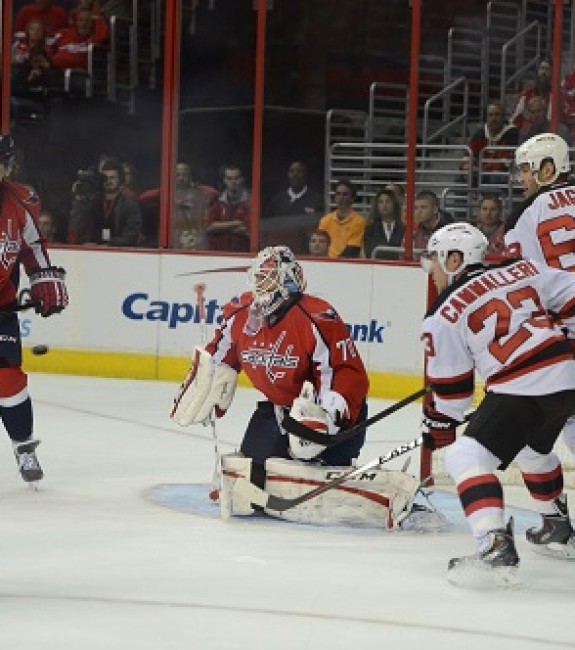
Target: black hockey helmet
{"points": [[7, 150]]}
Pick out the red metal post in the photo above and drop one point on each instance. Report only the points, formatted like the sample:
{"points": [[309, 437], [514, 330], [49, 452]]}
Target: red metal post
{"points": [[413, 93], [170, 104], [556, 71], [6, 56], [258, 123]]}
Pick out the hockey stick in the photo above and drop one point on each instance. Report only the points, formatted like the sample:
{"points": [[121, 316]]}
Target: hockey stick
{"points": [[214, 494], [247, 490], [244, 488], [229, 269], [299, 429]]}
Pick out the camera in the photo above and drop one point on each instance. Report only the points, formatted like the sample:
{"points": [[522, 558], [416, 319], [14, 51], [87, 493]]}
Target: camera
{"points": [[89, 183]]}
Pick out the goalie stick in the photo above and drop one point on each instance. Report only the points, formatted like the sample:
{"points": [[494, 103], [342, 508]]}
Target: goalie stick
{"points": [[299, 429], [214, 493], [247, 490]]}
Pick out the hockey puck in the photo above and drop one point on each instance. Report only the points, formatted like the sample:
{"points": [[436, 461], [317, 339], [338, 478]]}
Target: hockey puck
{"points": [[39, 350]]}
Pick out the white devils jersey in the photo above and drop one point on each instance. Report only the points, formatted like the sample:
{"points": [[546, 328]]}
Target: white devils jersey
{"points": [[495, 319], [545, 229]]}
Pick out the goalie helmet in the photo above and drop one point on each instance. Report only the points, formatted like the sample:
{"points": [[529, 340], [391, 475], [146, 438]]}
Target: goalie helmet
{"points": [[7, 150], [273, 277], [546, 146], [462, 237]]}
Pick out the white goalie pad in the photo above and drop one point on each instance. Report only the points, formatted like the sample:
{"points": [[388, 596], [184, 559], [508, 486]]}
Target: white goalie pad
{"points": [[377, 498], [234, 466], [207, 387]]}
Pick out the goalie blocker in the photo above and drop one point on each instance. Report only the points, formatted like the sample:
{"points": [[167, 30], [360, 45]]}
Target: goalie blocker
{"points": [[208, 387], [376, 498]]}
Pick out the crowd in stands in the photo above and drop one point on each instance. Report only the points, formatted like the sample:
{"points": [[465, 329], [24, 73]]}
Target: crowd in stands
{"points": [[107, 207]]}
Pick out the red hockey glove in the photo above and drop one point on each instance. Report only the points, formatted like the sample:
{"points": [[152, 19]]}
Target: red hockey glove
{"points": [[47, 288], [438, 429]]}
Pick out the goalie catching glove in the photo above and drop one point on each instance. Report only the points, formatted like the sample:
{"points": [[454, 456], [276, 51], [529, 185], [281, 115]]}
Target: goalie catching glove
{"points": [[324, 417], [207, 388], [48, 290], [438, 429]]}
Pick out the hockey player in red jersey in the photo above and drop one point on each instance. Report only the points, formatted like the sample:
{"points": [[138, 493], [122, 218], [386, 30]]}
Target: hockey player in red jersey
{"points": [[495, 320], [21, 243], [281, 337]]}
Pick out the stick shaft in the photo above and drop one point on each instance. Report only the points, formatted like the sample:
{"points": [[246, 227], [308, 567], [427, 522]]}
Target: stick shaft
{"points": [[299, 429], [261, 497], [200, 289]]}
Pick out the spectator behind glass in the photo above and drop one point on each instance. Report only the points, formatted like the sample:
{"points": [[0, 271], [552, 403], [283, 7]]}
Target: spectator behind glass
{"points": [[427, 218], [34, 36], [101, 212], [384, 226], [228, 218], [495, 132], [345, 226], [100, 28], [293, 212], [319, 242], [541, 87], [539, 123], [47, 226], [53, 17], [191, 200], [70, 47], [490, 222]]}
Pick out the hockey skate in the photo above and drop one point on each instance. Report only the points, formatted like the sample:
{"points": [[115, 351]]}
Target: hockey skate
{"points": [[28, 464], [555, 537], [494, 567]]}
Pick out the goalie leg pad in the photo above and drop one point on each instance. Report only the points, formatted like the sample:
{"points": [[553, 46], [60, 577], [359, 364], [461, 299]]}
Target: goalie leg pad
{"points": [[207, 386], [234, 466], [376, 498]]}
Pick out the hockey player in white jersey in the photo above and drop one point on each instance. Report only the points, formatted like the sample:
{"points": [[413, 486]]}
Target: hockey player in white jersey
{"points": [[495, 320], [544, 228]]}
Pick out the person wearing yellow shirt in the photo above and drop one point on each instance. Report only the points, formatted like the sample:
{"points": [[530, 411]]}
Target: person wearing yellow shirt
{"points": [[345, 227]]}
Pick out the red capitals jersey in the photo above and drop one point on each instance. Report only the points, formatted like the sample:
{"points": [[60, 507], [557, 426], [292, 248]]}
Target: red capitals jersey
{"points": [[309, 342], [20, 239], [545, 229], [495, 320]]}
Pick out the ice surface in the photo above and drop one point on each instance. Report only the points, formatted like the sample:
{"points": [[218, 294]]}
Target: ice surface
{"points": [[119, 550]]}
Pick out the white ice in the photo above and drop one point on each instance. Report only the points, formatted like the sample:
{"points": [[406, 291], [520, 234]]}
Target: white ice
{"points": [[91, 562]]}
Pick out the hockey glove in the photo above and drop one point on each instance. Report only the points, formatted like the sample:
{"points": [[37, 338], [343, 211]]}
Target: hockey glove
{"points": [[336, 408], [438, 429], [305, 410], [48, 290]]}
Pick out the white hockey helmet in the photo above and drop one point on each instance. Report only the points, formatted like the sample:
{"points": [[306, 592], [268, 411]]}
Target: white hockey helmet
{"points": [[274, 276], [545, 146], [461, 237]]}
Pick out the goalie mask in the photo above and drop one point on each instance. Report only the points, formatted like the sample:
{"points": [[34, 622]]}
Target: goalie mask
{"points": [[274, 276]]}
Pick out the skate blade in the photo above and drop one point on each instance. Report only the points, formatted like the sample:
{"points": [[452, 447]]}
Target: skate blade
{"points": [[559, 551], [480, 577], [33, 485]]}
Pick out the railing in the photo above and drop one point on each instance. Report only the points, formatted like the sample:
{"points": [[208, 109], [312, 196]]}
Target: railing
{"points": [[122, 69], [515, 47], [370, 166], [463, 46], [445, 97]]}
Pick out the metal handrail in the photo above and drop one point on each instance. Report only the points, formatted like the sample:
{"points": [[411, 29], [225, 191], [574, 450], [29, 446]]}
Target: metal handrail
{"points": [[505, 81], [460, 119]]}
